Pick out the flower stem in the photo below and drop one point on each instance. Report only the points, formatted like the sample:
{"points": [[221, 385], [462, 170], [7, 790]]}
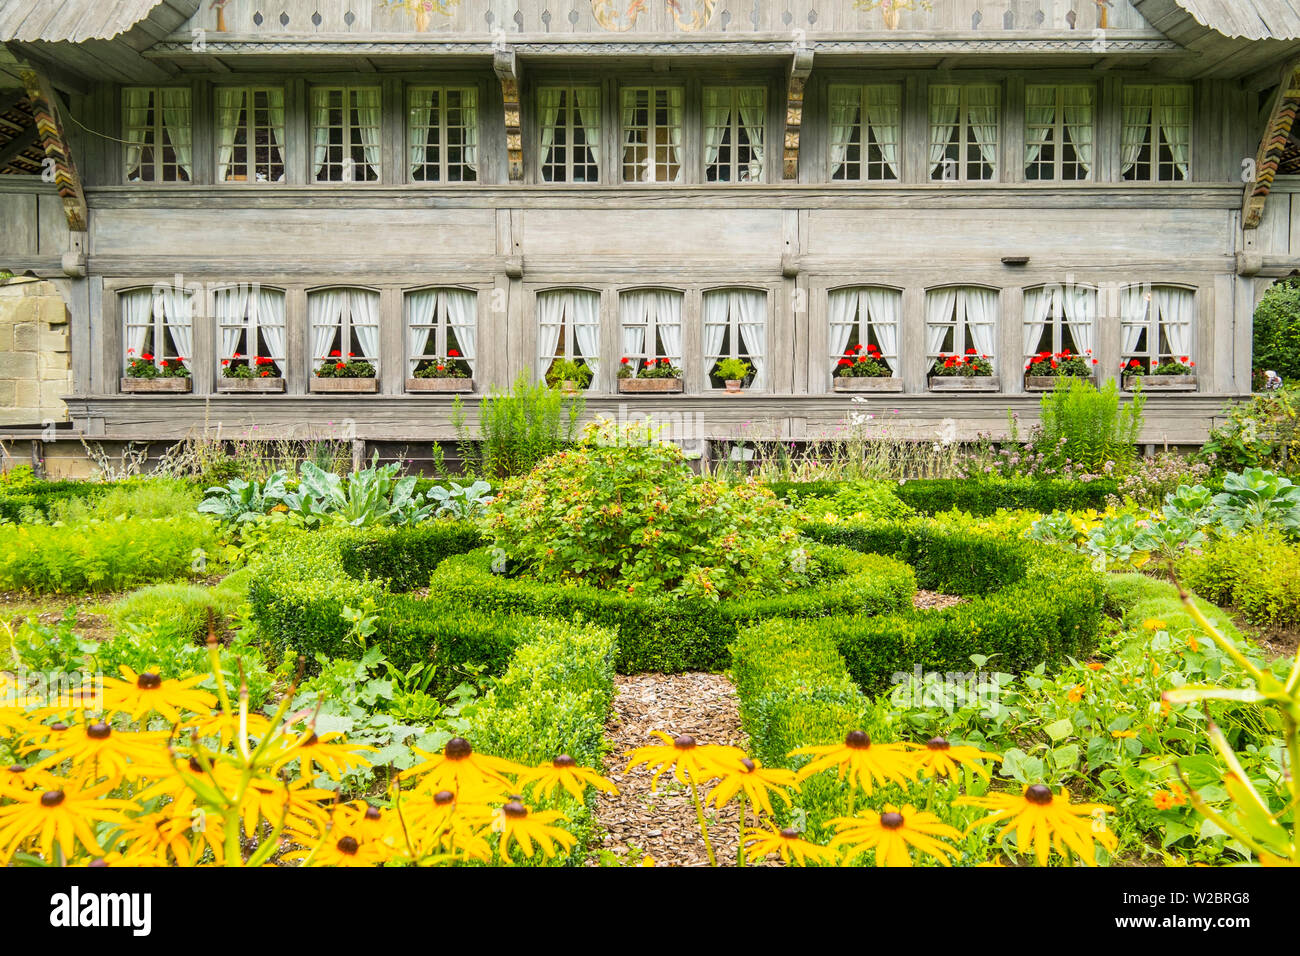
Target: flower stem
{"points": [[740, 847], [699, 815]]}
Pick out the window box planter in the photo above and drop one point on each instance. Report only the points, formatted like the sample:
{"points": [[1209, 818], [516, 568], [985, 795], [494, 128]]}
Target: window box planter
{"points": [[440, 385], [656, 385], [154, 386], [1046, 383], [352, 386], [964, 383], [847, 383], [1161, 383], [262, 385]]}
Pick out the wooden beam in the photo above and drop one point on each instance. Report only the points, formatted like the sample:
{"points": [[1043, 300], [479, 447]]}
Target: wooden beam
{"points": [[1277, 132], [28, 138], [506, 66], [800, 68], [45, 109]]}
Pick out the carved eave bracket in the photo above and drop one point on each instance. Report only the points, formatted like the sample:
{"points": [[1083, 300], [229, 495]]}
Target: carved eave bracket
{"points": [[1276, 136], [800, 68], [45, 109], [506, 65]]}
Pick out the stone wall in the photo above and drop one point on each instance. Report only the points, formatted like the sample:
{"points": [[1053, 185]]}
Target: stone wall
{"points": [[35, 359]]}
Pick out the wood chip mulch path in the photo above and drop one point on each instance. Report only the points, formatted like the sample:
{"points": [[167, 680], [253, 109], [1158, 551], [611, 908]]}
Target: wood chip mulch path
{"points": [[637, 822], [934, 601]]}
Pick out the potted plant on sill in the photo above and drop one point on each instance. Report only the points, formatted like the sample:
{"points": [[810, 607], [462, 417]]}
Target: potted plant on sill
{"points": [[571, 377], [439, 374], [255, 374], [733, 372], [864, 370], [655, 375], [971, 372], [1168, 376], [1044, 369], [352, 374], [143, 375]]}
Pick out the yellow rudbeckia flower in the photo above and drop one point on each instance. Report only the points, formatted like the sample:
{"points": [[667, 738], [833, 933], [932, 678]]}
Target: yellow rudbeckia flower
{"points": [[564, 772], [892, 832], [863, 762], [761, 842], [1046, 821]]}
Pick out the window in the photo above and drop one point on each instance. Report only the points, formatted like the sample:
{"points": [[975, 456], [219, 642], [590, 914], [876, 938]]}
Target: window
{"points": [[1060, 318], [568, 323], [865, 316], [251, 324], [735, 326], [346, 134], [651, 321], [1058, 132], [734, 120], [964, 130], [652, 134], [344, 324], [250, 135], [441, 323], [442, 130], [159, 133], [570, 128], [864, 132], [158, 325], [1156, 143], [1157, 324], [960, 321]]}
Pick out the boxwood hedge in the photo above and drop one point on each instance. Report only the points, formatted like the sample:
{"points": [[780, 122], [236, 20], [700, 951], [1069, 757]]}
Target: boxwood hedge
{"points": [[977, 496], [300, 586], [673, 635], [1025, 605]]}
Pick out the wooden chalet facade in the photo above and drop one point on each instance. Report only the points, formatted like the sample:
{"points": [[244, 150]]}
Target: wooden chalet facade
{"points": [[524, 181]]}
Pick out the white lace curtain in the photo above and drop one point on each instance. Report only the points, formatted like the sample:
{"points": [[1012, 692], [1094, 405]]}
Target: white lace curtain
{"points": [[1172, 109], [1137, 125], [945, 104], [457, 309], [137, 315], [1175, 311], [1040, 113], [177, 122], [753, 117], [369, 123], [744, 313], [1075, 305], [984, 104], [1078, 119], [648, 317], [868, 309], [971, 309], [579, 309], [136, 101], [845, 109], [336, 312], [882, 118], [1134, 307]]}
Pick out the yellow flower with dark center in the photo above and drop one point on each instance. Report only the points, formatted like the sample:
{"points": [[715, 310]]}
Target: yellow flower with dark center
{"points": [[564, 772], [517, 824], [756, 783], [940, 758], [98, 751], [330, 752], [863, 762], [443, 822], [686, 758], [139, 694], [65, 814], [155, 835], [892, 832], [458, 766], [341, 847], [297, 804], [788, 844], [19, 777], [1045, 821]]}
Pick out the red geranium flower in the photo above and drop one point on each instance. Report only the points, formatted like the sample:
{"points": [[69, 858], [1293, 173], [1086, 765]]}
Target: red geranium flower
{"points": [[147, 356], [623, 360], [335, 354], [454, 354], [341, 365]]}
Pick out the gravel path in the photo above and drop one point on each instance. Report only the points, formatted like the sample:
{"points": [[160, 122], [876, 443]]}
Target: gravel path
{"points": [[663, 824]]}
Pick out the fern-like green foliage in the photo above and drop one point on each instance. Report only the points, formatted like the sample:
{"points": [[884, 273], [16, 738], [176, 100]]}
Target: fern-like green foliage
{"points": [[1088, 426], [517, 429]]}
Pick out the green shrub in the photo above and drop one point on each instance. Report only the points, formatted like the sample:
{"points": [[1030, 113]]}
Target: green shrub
{"points": [[1257, 573], [1026, 606], [180, 609], [1087, 427], [553, 699], [1261, 433], [877, 499], [517, 429], [630, 515], [406, 556], [1277, 330], [301, 584], [103, 555], [986, 496], [24, 501], [661, 633], [1136, 598]]}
